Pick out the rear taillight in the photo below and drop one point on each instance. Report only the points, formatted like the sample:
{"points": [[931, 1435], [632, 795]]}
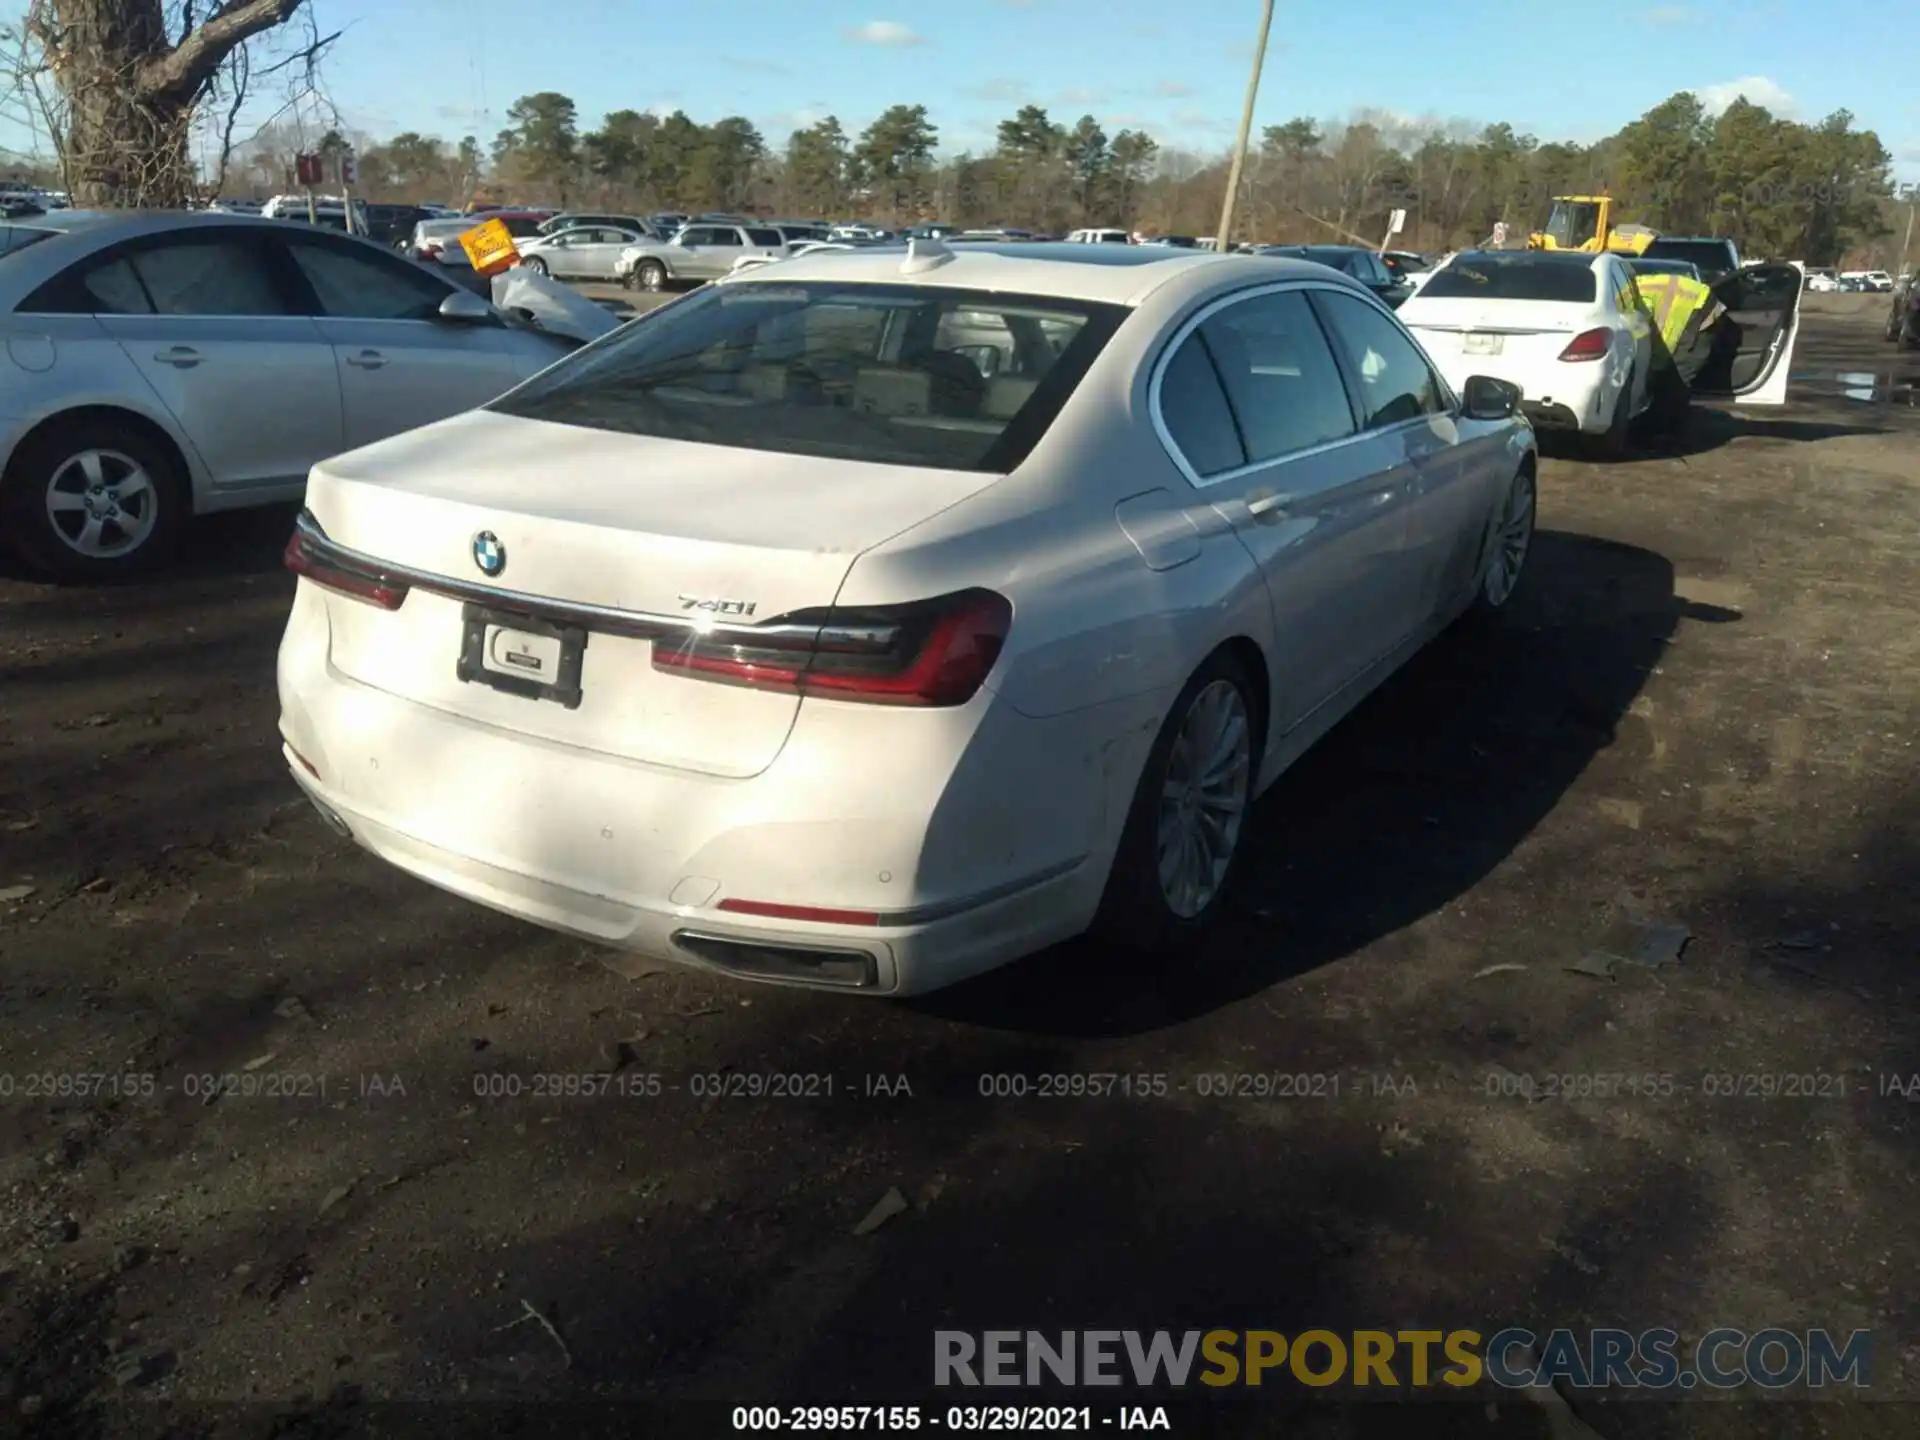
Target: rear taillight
{"points": [[306, 557], [1589, 345], [934, 653]]}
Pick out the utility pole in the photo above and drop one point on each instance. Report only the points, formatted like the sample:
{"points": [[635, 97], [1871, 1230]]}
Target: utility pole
{"points": [[1913, 202], [1246, 129]]}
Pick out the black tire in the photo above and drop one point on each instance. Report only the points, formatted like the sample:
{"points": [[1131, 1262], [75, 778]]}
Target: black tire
{"points": [[54, 454], [1612, 443], [1135, 913], [650, 275], [535, 264], [1494, 591]]}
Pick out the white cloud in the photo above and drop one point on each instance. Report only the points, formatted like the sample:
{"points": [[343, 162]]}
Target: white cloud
{"points": [[1754, 89], [752, 66], [1081, 97], [890, 33], [1198, 120], [1173, 89], [999, 90], [1668, 15]]}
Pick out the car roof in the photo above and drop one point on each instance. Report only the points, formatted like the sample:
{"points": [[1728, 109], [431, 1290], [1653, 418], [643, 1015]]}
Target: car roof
{"points": [[1110, 274]]}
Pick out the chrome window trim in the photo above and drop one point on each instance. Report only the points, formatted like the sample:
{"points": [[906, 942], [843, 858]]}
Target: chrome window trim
{"points": [[1157, 418]]}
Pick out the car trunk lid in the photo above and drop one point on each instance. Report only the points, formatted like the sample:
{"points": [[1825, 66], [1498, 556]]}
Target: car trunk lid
{"points": [[632, 539], [1522, 332]]}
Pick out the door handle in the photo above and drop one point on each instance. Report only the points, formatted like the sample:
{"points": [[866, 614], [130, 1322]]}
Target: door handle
{"points": [[367, 360], [1267, 504], [181, 357]]}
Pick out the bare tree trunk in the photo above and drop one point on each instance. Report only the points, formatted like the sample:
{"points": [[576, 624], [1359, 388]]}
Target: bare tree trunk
{"points": [[132, 90]]}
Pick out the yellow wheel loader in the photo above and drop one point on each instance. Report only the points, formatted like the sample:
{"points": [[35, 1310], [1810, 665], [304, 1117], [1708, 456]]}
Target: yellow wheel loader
{"points": [[1584, 223]]}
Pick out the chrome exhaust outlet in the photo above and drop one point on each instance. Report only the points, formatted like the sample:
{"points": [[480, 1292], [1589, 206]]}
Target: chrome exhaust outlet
{"points": [[332, 821], [761, 960]]}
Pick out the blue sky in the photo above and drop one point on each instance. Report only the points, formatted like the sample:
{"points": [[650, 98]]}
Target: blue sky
{"points": [[449, 67]]}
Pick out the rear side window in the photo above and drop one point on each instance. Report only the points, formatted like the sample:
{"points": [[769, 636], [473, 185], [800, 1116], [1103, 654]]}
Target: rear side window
{"points": [[1281, 378], [1193, 407], [946, 378], [208, 278], [769, 238], [115, 290], [1505, 277]]}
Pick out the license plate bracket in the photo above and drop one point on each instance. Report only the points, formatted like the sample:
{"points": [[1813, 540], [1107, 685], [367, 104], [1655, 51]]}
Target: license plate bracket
{"points": [[548, 657], [1478, 344]]}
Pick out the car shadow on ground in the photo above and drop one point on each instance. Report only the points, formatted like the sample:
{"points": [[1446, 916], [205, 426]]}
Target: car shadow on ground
{"points": [[1709, 428], [1405, 806]]}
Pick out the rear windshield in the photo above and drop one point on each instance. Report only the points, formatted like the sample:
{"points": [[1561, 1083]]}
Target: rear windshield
{"points": [[903, 375], [1511, 277]]}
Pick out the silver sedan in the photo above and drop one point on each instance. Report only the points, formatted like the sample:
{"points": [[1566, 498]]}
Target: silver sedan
{"points": [[169, 364]]}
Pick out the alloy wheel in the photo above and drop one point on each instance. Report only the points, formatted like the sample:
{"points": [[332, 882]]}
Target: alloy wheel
{"points": [[1511, 541], [102, 504], [1203, 798]]}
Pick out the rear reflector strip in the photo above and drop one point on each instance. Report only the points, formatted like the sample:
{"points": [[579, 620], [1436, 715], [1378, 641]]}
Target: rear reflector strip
{"points": [[815, 914]]}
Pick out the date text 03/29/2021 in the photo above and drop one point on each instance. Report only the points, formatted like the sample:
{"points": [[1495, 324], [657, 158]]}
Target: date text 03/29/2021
{"points": [[962, 1419]]}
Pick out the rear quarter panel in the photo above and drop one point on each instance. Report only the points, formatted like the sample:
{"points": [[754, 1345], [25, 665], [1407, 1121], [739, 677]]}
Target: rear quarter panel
{"points": [[1093, 621], [58, 363]]}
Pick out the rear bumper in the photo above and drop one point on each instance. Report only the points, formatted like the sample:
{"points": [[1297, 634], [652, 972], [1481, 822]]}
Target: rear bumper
{"points": [[1555, 395], [959, 839], [893, 961], [1549, 416]]}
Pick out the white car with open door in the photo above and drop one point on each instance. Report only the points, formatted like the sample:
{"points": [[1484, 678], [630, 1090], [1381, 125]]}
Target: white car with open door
{"points": [[1566, 328], [877, 618]]}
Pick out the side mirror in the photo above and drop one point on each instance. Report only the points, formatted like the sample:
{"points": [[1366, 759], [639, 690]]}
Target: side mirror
{"points": [[1485, 398], [463, 307]]}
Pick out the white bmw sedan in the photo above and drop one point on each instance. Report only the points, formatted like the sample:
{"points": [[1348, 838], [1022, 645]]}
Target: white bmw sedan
{"points": [[876, 619]]}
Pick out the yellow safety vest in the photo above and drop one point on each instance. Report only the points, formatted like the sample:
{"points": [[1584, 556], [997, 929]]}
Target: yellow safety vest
{"points": [[1672, 300]]}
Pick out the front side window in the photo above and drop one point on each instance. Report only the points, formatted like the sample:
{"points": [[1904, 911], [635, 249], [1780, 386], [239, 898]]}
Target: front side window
{"points": [[865, 372], [1395, 382], [366, 287]]}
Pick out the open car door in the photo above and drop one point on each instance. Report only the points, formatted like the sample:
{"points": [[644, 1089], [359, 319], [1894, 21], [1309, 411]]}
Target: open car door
{"points": [[1753, 344]]}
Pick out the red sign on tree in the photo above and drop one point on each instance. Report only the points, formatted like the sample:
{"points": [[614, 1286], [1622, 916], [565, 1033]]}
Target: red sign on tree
{"points": [[307, 169]]}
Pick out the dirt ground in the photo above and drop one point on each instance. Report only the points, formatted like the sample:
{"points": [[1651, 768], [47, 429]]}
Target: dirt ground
{"points": [[1702, 711]]}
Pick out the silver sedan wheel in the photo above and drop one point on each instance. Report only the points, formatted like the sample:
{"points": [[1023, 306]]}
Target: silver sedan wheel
{"points": [[1203, 798], [102, 504], [1511, 541]]}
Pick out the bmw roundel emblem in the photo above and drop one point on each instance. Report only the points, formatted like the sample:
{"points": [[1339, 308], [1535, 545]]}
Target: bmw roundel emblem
{"points": [[488, 553]]}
